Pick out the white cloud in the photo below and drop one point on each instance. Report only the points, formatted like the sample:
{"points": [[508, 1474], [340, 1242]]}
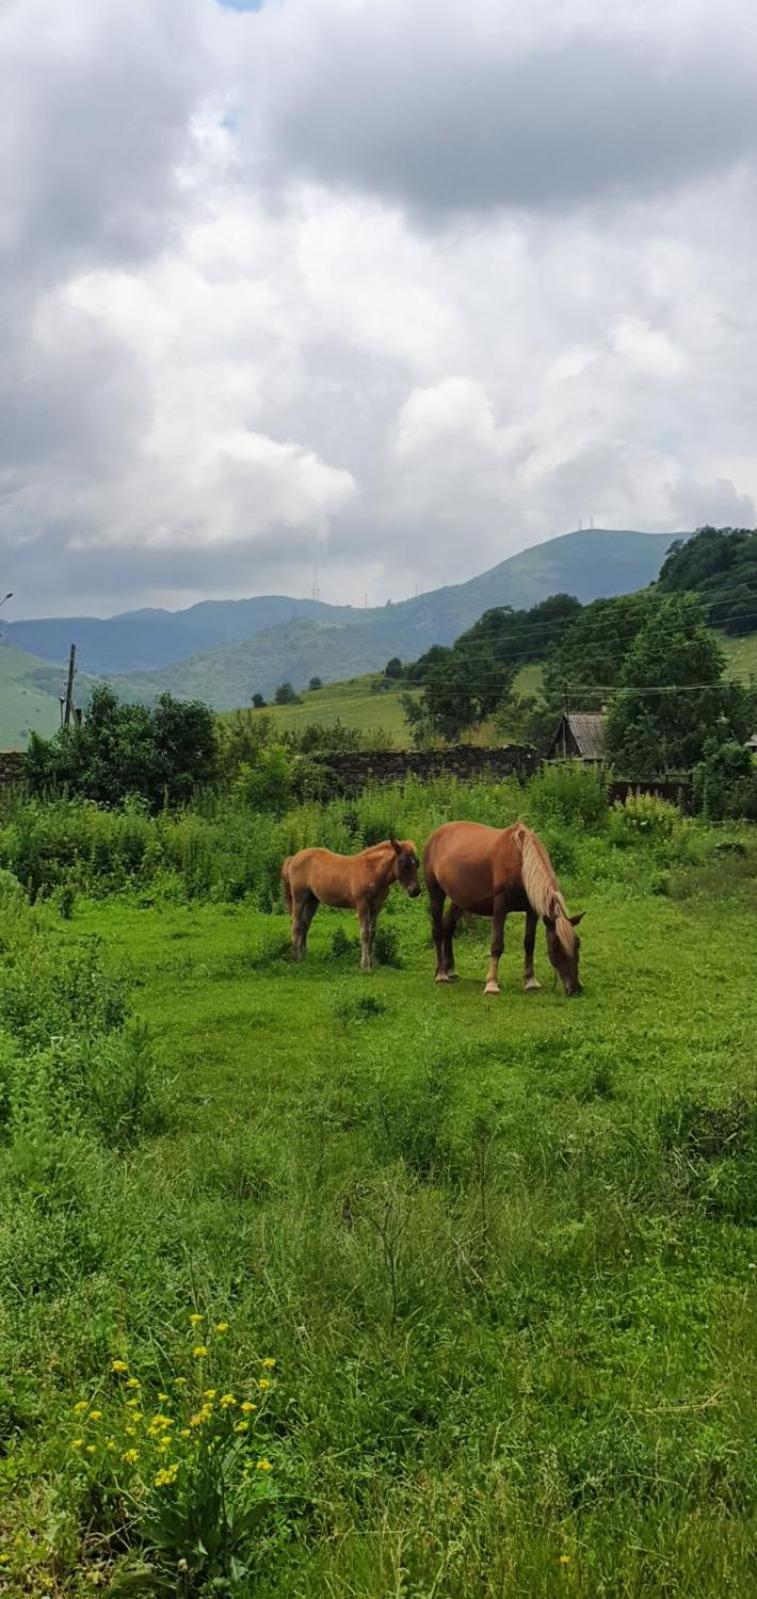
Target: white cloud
{"points": [[399, 289]]}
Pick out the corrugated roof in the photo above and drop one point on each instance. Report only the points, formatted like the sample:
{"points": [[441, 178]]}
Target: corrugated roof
{"points": [[588, 729]]}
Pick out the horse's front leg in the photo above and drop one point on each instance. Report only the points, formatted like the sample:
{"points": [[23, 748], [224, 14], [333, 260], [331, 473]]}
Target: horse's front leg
{"points": [[367, 928], [499, 913], [436, 901], [529, 981]]}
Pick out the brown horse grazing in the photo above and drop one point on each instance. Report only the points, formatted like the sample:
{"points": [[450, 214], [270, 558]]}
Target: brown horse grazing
{"points": [[361, 882], [491, 873]]}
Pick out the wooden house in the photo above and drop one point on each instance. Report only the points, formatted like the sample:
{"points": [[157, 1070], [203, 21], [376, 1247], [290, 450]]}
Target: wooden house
{"points": [[579, 736]]}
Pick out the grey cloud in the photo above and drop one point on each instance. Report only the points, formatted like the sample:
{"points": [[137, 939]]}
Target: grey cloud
{"points": [[410, 104]]}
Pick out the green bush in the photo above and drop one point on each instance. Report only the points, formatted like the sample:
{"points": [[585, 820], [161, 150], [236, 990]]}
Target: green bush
{"points": [[569, 792], [725, 783]]}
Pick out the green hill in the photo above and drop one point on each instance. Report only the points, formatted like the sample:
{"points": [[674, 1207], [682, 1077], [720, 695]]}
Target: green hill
{"points": [[586, 564], [223, 651], [28, 697]]}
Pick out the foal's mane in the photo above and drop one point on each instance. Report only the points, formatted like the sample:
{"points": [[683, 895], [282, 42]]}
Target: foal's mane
{"points": [[541, 885]]}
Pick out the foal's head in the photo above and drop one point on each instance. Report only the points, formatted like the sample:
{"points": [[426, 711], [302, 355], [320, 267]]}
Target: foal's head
{"points": [[564, 946], [406, 866]]}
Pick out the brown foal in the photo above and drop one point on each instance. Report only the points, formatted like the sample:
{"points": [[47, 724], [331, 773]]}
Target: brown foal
{"points": [[359, 882]]}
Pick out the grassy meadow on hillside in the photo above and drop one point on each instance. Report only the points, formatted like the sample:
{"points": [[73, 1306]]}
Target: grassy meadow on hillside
{"points": [[315, 1283], [359, 704]]}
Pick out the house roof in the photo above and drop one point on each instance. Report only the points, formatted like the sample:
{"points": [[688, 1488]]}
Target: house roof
{"points": [[588, 730]]}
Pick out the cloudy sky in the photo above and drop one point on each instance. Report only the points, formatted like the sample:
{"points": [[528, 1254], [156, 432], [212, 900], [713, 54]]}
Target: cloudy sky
{"points": [[390, 287]]}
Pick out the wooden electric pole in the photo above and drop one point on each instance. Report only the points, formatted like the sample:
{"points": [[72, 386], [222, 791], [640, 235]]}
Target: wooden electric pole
{"points": [[68, 709]]}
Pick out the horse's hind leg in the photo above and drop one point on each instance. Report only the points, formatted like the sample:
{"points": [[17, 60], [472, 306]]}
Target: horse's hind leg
{"points": [[529, 981], [305, 907], [436, 900], [497, 945], [448, 931]]}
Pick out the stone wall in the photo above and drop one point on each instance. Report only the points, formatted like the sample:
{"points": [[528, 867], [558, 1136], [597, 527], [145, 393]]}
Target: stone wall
{"points": [[11, 768], [349, 773]]}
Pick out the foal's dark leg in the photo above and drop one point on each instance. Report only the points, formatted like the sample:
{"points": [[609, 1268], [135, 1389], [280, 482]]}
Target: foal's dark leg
{"points": [[436, 899], [305, 910], [529, 981], [499, 913], [449, 924]]}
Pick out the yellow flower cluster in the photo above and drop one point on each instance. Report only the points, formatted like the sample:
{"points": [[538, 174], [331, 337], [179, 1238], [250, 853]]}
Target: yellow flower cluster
{"points": [[163, 1435]]}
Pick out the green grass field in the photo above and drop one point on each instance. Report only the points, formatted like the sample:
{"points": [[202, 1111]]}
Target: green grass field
{"points": [[502, 1252]]}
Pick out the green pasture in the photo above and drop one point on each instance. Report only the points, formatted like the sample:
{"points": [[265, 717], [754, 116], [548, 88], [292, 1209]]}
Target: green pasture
{"points": [[361, 704], [502, 1251]]}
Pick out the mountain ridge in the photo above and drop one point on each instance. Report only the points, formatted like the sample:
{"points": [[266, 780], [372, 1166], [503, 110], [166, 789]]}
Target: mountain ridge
{"points": [[590, 563]]}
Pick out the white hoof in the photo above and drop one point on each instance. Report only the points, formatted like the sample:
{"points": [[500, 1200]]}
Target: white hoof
{"points": [[531, 985], [492, 988], [441, 977]]}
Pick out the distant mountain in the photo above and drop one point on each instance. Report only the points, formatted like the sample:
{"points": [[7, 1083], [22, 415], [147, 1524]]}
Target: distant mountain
{"points": [[224, 650]]}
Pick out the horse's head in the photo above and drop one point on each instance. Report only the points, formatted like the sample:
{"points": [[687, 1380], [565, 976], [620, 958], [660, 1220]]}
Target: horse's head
{"points": [[406, 866], [564, 946]]}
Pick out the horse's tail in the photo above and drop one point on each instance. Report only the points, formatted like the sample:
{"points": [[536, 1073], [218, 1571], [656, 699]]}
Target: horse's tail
{"points": [[541, 886], [285, 883]]}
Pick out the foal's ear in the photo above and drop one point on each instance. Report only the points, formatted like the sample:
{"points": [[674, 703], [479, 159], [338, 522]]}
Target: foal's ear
{"points": [[395, 846], [574, 920]]}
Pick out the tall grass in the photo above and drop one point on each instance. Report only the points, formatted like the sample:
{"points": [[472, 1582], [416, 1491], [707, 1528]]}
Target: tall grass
{"points": [[225, 851]]}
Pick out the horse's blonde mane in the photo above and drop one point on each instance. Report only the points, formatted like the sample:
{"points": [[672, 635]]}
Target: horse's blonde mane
{"points": [[542, 888]]}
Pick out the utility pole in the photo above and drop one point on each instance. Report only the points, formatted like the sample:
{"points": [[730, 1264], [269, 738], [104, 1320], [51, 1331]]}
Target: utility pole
{"points": [[68, 709]]}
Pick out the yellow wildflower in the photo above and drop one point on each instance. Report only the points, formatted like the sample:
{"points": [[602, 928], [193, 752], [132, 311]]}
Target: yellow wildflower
{"points": [[242, 1426], [268, 1363], [210, 1393], [163, 1444], [200, 1351], [95, 1415], [180, 1382], [200, 1416], [264, 1465], [133, 1382], [119, 1365], [194, 1321], [90, 1449], [82, 1405], [226, 1400], [110, 1444], [222, 1326], [565, 1560], [166, 1475], [160, 1421], [131, 1456], [264, 1384], [76, 1443], [247, 1408], [185, 1433], [131, 1432], [132, 1403], [163, 1399]]}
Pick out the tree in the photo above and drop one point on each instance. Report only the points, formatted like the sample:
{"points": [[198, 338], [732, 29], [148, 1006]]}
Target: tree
{"points": [[393, 667], [592, 648], [672, 698], [285, 695], [315, 683], [119, 750], [258, 702]]}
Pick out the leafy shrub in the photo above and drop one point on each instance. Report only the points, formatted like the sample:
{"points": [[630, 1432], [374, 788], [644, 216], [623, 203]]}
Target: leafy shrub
{"points": [[569, 792], [643, 817], [725, 783]]}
